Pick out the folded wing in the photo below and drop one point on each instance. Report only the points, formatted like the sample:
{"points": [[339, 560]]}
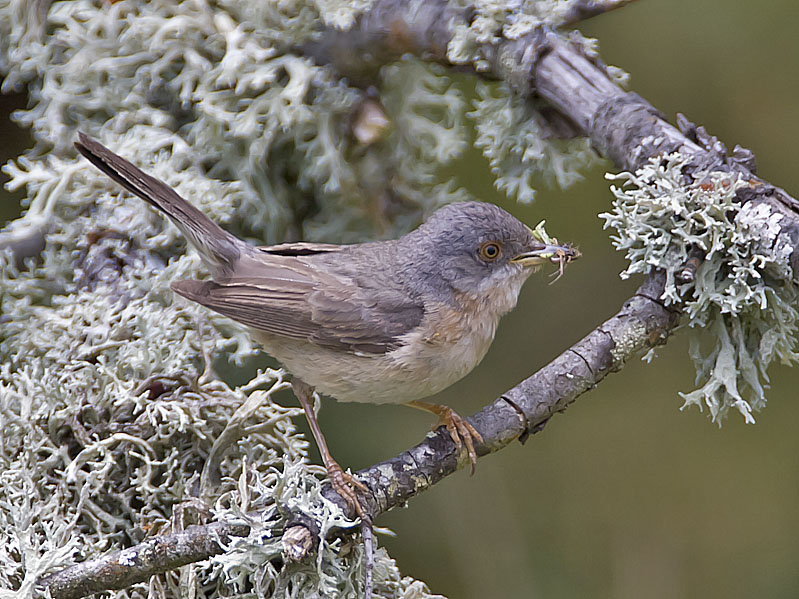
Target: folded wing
{"points": [[278, 290]]}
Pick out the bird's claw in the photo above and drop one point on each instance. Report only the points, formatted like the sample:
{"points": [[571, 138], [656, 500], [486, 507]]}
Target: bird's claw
{"points": [[462, 433], [345, 484]]}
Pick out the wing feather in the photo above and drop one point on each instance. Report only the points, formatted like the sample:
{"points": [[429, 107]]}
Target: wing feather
{"points": [[283, 294]]}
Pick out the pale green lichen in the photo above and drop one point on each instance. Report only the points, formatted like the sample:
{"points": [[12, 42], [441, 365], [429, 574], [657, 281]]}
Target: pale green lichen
{"points": [[336, 568], [227, 97], [625, 342], [513, 137], [115, 422], [742, 300], [494, 20], [520, 145]]}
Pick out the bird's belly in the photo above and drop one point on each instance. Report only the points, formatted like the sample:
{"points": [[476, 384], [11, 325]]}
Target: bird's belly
{"points": [[416, 370]]}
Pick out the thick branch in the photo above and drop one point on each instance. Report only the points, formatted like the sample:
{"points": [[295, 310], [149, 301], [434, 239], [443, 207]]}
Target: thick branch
{"points": [[121, 569], [628, 130], [622, 126]]}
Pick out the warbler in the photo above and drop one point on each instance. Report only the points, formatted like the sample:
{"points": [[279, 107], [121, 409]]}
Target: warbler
{"points": [[381, 322]]}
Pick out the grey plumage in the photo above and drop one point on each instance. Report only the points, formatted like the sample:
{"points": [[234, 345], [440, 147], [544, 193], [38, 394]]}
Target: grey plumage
{"points": [[218, 248], [388, 321]]}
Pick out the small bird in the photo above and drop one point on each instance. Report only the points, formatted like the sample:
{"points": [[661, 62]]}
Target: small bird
{"points": [[382, 322]]}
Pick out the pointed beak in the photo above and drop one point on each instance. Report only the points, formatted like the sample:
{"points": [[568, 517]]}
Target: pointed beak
{"points": [[556, 253]]}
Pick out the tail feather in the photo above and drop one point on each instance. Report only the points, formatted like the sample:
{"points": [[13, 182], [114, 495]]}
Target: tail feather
{"points": [[191, 289], [219, 249]]}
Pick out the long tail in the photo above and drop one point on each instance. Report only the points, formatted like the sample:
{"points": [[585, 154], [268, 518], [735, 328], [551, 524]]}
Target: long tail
{"points": [[219, 249]]}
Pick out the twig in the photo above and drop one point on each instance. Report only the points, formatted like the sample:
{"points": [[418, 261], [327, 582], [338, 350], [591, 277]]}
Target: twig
{"points": [[368, 557], [583, 10]]}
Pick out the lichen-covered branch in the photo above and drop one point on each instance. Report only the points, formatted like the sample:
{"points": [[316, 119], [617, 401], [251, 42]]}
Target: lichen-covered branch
{"points": [[121, 569], [541, 64], [580, 88], [642, 323]]}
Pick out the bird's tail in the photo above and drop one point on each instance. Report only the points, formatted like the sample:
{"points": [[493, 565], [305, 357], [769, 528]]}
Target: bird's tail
{"points": [[219, 249]]}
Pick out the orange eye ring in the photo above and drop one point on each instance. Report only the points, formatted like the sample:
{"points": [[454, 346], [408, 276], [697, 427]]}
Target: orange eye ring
{"points": [[490, 250]]}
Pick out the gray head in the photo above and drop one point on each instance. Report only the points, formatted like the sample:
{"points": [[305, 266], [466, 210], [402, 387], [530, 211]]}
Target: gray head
{"points": [[479, 249]]}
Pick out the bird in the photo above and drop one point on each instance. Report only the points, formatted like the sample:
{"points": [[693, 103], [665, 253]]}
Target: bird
{"points": [[383, 322]]}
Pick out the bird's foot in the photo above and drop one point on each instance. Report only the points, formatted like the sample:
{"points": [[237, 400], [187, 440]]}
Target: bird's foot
{"points": [[345, 484], [461, 431], [342, 482]]}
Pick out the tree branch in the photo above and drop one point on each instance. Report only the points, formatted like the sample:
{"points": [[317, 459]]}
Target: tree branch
{"points": [[642, 323], [583, 10], [544, 65], [121, 569]]}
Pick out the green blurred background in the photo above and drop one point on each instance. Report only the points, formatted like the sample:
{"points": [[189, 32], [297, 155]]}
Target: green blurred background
{"points": [[624, 496]]}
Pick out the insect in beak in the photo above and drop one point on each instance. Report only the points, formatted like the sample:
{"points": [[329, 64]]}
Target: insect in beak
{"points": [[547, 249]]}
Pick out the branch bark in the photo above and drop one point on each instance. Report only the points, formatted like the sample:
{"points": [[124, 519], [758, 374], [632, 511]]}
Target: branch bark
{"points": [[121, 569], [587, 9]]}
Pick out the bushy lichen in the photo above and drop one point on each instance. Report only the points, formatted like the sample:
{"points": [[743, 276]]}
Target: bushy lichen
{"points": [[219, 89], [520, 145], [115, 422], [494, 20], [514, 139], [741, 302], [248, 564]]}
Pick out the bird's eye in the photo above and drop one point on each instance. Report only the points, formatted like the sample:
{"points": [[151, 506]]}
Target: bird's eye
{"points": [[490, 251]]}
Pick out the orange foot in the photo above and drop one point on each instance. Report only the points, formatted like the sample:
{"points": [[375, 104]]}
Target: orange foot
{"points": [[461, 431], [345, 484]]}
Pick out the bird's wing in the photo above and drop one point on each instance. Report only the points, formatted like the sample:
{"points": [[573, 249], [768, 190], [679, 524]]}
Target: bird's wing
{"points": [[300, 248], [284, 294]]}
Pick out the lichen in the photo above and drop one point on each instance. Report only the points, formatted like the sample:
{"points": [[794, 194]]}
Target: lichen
{"points": [[120, 412], [624, 343], [514, 138], [519, 143], [741, 302], [121, 415], [494, 20]]}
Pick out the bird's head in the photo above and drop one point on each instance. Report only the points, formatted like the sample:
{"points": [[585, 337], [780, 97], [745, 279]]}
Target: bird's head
{"points": [[479, 250]]}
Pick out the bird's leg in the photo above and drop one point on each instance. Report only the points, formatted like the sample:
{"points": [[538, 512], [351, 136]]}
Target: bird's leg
{"points": [[461, 431], [343, 482]]}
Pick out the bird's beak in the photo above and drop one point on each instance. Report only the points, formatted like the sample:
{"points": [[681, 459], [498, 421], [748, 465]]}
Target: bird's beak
{"points": [[547, 252], [545, 248]]}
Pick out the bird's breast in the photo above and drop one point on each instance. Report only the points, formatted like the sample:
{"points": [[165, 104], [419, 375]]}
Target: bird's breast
{"points": [[447, 346], [450, 341]]}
